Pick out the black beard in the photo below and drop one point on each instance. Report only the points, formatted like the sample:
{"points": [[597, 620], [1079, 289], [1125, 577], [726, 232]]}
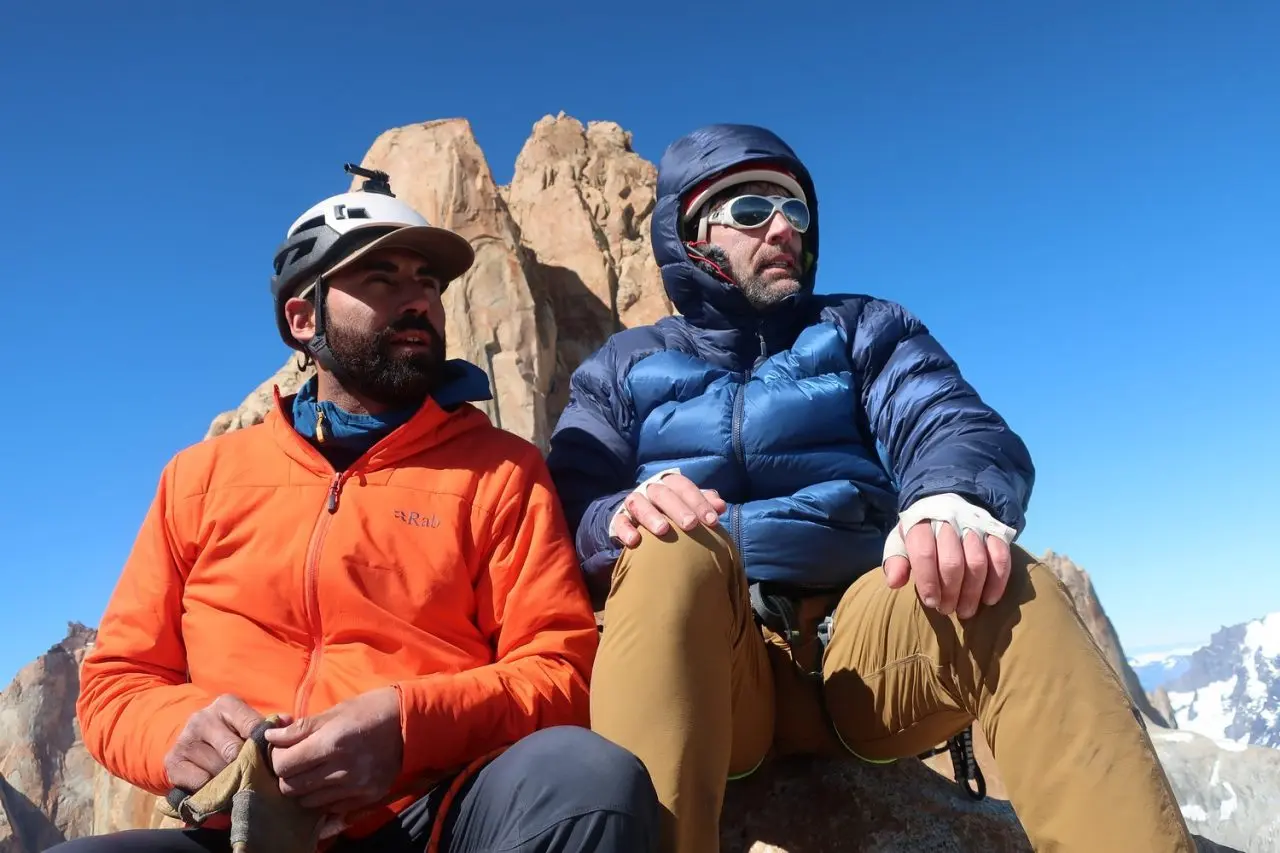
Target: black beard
{"points": [[371, 368]]}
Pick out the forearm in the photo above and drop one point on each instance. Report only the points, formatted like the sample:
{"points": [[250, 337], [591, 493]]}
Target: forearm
{"points": [[938, 433], [130, 717], [979, 459], [134, 691], [450, 719]]}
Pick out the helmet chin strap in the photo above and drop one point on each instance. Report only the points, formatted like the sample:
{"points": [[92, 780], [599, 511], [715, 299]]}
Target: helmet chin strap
{"points": [[318, 347]]}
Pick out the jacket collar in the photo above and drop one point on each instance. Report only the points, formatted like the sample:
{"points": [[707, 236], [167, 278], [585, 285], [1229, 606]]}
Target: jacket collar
{"points": [[442, 416]]}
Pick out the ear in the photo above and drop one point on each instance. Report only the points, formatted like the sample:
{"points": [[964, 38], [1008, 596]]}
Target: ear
{"points": [[301, 316]]}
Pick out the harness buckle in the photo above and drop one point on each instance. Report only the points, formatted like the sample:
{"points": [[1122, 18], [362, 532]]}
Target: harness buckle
{"points": [[963, 763], [790, 614]]}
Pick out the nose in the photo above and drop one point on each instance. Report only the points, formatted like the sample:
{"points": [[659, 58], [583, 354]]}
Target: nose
{"points": [[417, 296], [780, 230]]}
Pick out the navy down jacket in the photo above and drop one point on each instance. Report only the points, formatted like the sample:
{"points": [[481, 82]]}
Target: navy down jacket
{"points": [[817, 421]]}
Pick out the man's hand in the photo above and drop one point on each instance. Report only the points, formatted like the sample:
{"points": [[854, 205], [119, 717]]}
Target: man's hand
{"points": [[950, 575], [675, 499], [343, 759], [209, 742]]}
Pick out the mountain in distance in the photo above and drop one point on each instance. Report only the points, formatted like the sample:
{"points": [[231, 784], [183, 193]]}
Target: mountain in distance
{"points": [[1156, 666], [1227, 690]]}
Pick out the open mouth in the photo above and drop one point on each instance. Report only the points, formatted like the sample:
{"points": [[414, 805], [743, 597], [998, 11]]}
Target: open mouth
{"points": [[412, 339], [784, 264]]}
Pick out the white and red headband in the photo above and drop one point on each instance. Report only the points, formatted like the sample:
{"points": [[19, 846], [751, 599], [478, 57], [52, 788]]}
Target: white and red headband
{"points": [[746, 174]]}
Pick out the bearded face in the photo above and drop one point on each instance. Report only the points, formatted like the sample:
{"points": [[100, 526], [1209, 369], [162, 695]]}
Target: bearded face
{"points": [[384, 323], [397, 366], [765, 261]]}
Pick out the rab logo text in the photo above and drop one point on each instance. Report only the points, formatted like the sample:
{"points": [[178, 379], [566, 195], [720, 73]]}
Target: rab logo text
{"points": [[417, 519]]}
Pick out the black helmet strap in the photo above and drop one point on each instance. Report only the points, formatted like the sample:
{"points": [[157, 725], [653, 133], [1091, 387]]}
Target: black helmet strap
{"points": [[318, 347]]}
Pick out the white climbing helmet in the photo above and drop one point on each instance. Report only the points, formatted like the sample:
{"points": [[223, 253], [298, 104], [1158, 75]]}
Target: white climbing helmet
{"points": [[335, 232]]}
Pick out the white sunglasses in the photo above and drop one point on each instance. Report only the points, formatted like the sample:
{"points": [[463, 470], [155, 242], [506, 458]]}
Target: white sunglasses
{"points": [[752, 211]]}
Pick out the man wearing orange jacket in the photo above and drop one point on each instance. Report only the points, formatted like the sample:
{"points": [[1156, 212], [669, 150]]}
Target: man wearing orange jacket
{"points": [[372, 597]]}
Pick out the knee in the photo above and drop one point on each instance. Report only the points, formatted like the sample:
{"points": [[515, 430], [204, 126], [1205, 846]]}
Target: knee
{"points": [[680, 572], [1034, 586], [586, 773], [1031, 586], [1036, 602]]}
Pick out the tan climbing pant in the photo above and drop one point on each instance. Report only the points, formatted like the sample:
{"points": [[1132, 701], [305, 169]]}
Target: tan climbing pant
{"points": [[687, 680]]}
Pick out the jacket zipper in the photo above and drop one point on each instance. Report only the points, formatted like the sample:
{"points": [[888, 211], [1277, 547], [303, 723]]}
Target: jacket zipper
{"points": [[739, 406], [311, 595]]}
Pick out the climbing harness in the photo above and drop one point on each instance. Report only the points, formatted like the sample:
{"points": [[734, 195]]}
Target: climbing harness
{"points": [[963, 763], [779, 612]]}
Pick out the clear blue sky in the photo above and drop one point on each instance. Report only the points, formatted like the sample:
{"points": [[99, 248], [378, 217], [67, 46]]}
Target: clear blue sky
{"points": [[1082, 201]]}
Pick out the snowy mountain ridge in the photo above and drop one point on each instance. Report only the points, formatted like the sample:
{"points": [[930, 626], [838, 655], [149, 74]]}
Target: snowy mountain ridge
{"points": [[1228, 690], [1157, 667]]}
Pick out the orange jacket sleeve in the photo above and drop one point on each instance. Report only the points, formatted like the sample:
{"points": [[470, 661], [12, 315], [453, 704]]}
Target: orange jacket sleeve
{"points": [[533, 604], [134, 695]]}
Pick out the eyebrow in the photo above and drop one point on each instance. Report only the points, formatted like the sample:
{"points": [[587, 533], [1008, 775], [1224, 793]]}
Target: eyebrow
{"points": [[388, 267]]}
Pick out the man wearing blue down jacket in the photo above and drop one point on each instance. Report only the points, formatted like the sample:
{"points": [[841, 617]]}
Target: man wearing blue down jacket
{"points": [[799, 520]]}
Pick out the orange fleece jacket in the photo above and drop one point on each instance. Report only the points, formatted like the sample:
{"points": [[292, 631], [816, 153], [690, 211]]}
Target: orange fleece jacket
{"points": [[439, 563]]}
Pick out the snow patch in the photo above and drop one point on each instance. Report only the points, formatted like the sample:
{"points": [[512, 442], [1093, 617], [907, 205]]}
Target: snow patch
{"points": [[1229, 805], [1196, 813], [1213, 777], [1243, 702], [1206, 711], [1264, 635], [1173, 737]]}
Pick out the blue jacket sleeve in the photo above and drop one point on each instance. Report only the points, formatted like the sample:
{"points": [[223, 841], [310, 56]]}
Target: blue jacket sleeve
{"points": [[592, 462], [929, 424]]}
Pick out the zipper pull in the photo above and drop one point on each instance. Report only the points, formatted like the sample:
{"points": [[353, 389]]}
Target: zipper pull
{"points": [[319, 425], [334, 488], [764, 352]]}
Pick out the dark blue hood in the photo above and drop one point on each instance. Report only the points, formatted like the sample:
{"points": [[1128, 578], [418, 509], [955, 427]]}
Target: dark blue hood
{"points": [[702, 298]]}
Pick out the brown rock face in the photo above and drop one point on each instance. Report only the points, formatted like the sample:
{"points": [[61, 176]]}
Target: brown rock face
{"points": [[118, 806], [255, 407], [810, 806], [438, 169], [562, 257], [46, 776], [1077, 582], [582, 200], [51, 789]]}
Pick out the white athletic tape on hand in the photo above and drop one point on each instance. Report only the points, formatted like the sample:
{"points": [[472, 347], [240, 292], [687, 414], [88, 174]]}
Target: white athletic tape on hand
{"points": [[643, 489], [945, 509]]}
